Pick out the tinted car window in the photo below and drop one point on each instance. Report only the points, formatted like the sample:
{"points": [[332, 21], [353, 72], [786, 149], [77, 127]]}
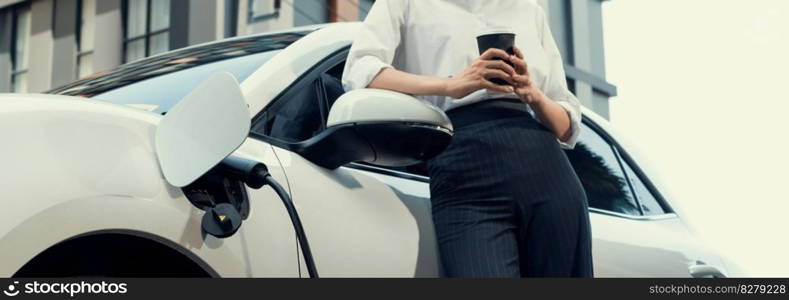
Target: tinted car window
{"points": [[293, 118], [598, 169], [301, 112], [649, 204]]}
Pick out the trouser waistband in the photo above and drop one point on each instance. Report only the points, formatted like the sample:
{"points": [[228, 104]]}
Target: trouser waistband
{"points": [[487, 110]]}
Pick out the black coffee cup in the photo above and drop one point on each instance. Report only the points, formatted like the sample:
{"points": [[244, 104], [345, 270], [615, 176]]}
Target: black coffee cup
{"points": [[499, 39]]}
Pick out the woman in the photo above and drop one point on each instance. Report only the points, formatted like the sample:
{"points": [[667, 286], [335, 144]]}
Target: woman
{"points": [[506, 201]]}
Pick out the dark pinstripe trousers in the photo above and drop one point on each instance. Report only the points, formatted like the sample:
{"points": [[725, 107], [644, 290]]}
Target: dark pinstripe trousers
{"points": [[507, 203]]}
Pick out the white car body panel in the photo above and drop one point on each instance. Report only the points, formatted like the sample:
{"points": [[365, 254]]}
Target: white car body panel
{"points": [[365, 228], [653, 247]]}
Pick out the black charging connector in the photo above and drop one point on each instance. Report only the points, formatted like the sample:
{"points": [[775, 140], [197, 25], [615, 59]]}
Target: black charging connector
{"points": [[255, 175], [250, 172]]}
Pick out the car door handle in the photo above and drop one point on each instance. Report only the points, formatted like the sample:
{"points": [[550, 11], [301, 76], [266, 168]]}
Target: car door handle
{"points": [[705, 271]]}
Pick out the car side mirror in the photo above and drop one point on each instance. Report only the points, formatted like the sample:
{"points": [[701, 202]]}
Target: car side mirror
{"points": [[380, 127], [201, 130]]}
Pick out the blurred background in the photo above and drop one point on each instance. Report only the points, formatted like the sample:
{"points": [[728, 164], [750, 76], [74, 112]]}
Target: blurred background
{"points": [[703, 94], [696, 85]]}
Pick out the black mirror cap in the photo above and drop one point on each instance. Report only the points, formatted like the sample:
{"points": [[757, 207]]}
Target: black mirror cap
{"points": [[400, 144], [382, 143]]}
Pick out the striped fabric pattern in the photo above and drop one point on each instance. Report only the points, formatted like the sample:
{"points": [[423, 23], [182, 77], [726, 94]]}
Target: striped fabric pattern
{"points": [[507, 203]]}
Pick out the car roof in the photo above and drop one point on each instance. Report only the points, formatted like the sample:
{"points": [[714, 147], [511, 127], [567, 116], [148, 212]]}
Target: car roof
{"points": [[303, 30]]}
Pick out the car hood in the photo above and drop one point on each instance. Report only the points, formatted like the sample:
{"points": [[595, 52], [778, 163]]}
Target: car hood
{"points": [[48, 102]]}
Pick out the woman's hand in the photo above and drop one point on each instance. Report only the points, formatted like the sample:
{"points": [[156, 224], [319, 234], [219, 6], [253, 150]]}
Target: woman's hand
{"points": [[477, 76], [550, 114], [524, 88]]}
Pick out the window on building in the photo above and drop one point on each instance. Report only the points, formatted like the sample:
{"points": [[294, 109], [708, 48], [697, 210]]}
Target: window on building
{"points": [[231, 18], [20, 48], [85, 30], [308, 12], [147, 28], [364, 8], [262, 10]]}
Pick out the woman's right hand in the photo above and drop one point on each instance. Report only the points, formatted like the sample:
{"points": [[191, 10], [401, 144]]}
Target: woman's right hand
{"points": [[477, 76]]}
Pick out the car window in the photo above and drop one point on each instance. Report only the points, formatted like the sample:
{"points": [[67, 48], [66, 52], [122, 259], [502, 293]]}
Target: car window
{"points": [[597, 166], [650, 206], [301, 112], [295, 117]]}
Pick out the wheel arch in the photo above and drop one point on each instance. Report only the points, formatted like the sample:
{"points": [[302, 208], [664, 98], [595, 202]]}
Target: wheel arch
{"points": [[156, 257], [168, 219]]}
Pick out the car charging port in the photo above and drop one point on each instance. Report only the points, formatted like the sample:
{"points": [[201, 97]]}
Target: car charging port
{"points": [[213, 189], [217, 193]]}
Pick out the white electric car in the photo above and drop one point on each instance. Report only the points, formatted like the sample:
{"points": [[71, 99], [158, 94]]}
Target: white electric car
{"points": [[112, 175]]}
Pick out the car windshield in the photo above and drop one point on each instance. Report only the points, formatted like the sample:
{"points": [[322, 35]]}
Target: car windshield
{"points": [[158, 83]]}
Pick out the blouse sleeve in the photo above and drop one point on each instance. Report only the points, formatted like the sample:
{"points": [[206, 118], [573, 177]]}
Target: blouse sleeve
{"points": [[374, 46], [556, 83]]}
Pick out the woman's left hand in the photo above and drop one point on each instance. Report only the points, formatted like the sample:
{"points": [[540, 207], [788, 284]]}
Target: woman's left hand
{"points": [[524, 87]]}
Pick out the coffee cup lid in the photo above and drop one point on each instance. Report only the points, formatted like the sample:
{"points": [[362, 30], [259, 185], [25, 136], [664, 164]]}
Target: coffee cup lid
{"points": [[495, 30]]}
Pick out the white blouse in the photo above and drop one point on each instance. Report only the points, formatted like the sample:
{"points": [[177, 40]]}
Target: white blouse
{"points": [[438, 38]]}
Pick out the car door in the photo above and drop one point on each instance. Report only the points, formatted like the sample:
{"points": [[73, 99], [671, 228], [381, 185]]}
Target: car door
{"points": [[265, 244], [636, 234], [357, 224]]}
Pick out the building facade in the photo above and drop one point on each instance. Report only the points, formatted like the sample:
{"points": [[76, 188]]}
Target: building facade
{"points": [[48, 43]]}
